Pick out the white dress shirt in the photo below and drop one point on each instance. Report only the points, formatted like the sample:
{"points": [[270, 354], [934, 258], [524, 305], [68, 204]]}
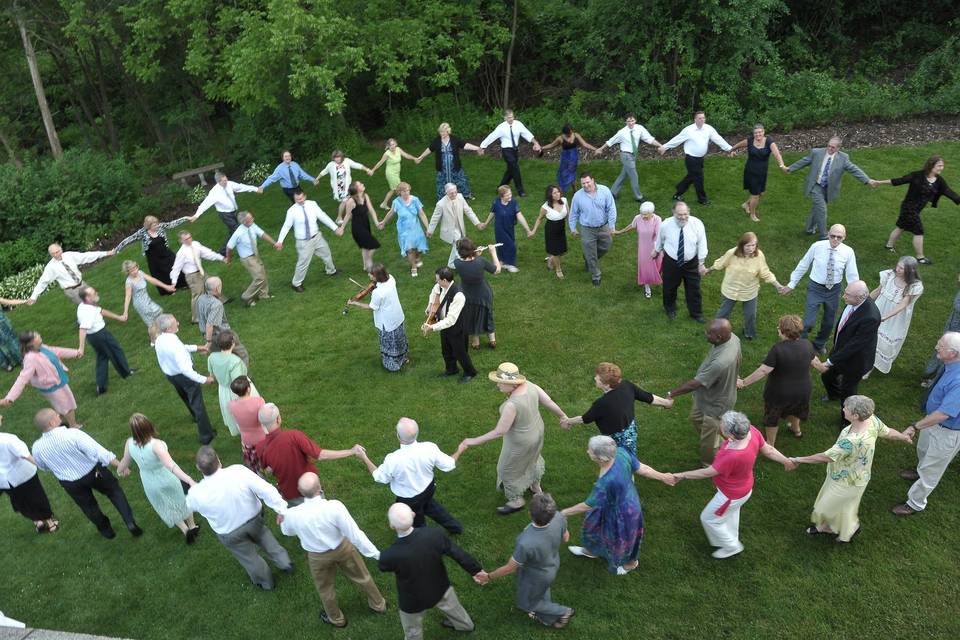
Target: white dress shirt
{"points": [[90, 318], [305, 220], [827, 156], [622, 137], [502, 133], [818, 255], [69, 454], [694, 239], [14, 470], [322, 525], [387, 312], [56, 271], [223, 198], [696, 141], [409, 469], [453, 311], [231, 496], [174, 357], [188, 259]]}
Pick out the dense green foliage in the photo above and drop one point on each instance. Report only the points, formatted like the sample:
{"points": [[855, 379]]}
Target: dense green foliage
{"points": [[323, 371]]}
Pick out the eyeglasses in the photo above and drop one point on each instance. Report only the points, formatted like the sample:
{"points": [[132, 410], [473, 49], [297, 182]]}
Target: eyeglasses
{"points": [[835, 237]]}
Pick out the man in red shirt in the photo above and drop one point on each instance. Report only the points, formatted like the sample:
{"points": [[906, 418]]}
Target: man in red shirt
{"points": [[289, 453]]}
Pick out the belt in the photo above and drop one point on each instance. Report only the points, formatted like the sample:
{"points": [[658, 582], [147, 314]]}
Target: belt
{"points": [[825, 286], [76, 286], [310, 238]]}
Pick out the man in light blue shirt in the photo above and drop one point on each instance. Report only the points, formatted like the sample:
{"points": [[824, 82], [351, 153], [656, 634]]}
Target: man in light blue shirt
{"points": [[244, 240], [289, 174], [596, 211]]}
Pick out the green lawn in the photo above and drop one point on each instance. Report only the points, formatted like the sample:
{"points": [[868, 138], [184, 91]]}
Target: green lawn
{"points": [[323, 371]]}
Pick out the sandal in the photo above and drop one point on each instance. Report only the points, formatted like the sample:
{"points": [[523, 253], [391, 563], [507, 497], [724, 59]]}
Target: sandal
{"points": [[564, 619], [475, 347], [559, 274], [492, 344], [813, 531], [924, 260], [45, 527], [889, 248]]}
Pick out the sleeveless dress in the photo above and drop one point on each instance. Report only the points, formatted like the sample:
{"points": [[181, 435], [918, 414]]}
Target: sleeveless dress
{"points": [[477, 311], [520, 465], [160, 261], [569, 158], [360, 227], [163, 489], [392, 170], [147, 309], [410, 234], [555, 229], [755, 170]]}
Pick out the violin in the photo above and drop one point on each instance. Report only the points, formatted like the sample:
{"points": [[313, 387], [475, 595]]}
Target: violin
{"points": [[434, 308], [363, 293]]}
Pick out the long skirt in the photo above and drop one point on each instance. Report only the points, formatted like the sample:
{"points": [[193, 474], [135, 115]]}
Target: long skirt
{"points": [[30, 500], [9, 345], [457, 177], [837, 508], [393, 348], [567, 172], [61, 400]]}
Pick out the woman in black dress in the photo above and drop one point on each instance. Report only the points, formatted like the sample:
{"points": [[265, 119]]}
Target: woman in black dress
{"points": [[478, 309], [160, 258], [759, 148], [358, 210], [554, 209], [926, 185]]}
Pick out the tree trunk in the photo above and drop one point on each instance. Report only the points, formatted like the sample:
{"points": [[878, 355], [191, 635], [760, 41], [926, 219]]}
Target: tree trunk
{"points": [[105, 101], [5, 141], [48, 124], [506, 78]]}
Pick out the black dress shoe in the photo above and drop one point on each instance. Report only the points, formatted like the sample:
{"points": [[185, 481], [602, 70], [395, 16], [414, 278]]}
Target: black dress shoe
{"points": [[596, 282], [447, 374], [465, 379], [705, 203], [206, 441], [698, 319], [108, 533], [677, 197], [523, 194], [671, 314], [296, 287], [101, 391], [135, 530], [506, 509]]}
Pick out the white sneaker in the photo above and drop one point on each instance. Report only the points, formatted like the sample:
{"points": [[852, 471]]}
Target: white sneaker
{"points": [[726, 552], [580, 551], [646, 291], [511, 268], [413, 273]]}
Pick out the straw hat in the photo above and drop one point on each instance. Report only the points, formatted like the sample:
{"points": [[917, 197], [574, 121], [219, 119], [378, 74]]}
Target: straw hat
{"points": [[507, 373]]}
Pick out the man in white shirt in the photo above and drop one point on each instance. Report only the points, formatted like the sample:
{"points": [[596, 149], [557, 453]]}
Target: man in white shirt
{"points": [[223, 196], [683, 241], [409, 472], [448, 300], [93, 328], [696, 139], [449, 214], [332, 540], [81, 465], [230, 500], [244, 240], [19, 479], [509, 133], [823, 181], [64, 269], [189, 261], [174, 359], [828, 262], [304, 217], [629, 139]]}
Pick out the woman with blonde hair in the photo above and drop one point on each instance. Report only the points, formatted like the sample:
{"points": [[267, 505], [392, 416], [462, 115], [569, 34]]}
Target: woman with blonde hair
{"points": [[505, 212], [392, 156], [154, 245], [136, 291], [410, 234], [449, 169]]}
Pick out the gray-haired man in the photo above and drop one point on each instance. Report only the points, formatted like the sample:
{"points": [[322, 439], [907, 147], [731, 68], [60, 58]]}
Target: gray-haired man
{"points": [[244, 240], [212, 318]]}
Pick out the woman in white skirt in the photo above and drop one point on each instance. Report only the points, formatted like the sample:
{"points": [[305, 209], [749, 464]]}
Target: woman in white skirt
{"points": [[732, 474], [898, 292], [849, 462]]}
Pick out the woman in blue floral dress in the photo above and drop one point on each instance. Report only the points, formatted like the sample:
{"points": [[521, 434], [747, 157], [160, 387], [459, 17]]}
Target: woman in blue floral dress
{"points": [[9, 344]]}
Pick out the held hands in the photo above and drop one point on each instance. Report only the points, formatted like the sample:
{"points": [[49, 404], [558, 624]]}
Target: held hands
{"points": [[316, 181], [481, 577], [5, 402], [668, 403], [565, 423], [279, 518], [661, 150], [380, 225], [193, 218], [787, 290], [170, 288], [482, 226], [359, 451], [669, 479], [259, 189], [873, 183], [124, 473], [702, 270], [369, 172], [340, 230], [785, 169], [202, 348], [278, 246], [790, 464], [530, 233], [740, 384], [123, 318], [907, 433], [463, 446], [210, 380]]}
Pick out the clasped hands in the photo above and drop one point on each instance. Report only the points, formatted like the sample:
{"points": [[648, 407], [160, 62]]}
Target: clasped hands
{"points": [[481, 577]]}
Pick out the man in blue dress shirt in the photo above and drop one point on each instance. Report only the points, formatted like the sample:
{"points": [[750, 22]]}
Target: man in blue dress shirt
{"points": [[244, 240], [289, 174], [596, 211]]}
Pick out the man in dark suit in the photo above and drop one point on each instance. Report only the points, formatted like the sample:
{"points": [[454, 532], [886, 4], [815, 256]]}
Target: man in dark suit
{"points": [[422, 583], [854, 345]]}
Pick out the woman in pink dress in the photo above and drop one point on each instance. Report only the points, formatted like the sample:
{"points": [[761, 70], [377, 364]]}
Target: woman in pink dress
{"points": [[647, 225], [44, 369], [244, 410]]}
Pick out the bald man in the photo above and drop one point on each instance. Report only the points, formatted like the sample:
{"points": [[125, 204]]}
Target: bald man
{"points": [[64, 269], [714, 387], [854, 345], [823, 181], [212, 318]]}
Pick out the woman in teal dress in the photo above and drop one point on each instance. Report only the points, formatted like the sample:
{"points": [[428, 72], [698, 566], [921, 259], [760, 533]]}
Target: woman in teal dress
{"points": [[160, 475], [410, 217], [392, 156], [136, 292], [9, 343], [226, 366], [613, 527]]}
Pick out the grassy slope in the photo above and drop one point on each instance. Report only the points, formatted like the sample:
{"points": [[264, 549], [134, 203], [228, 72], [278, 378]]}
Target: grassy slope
{"points": [[323, 370]]}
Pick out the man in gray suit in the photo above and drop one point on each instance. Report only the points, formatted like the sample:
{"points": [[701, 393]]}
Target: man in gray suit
{"points": [[823, 181]]}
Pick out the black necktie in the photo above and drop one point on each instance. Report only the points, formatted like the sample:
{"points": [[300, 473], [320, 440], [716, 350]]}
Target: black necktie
{"points": [[681, 253], [512, 140], [293, 178]]}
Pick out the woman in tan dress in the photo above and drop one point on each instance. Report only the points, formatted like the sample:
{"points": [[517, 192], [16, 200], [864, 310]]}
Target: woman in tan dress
{"points": [[520, 466]]}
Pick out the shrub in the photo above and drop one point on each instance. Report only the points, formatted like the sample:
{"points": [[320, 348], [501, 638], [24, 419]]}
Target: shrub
{"points": [[20, 285]]}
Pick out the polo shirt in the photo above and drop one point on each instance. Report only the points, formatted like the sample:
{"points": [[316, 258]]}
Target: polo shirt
{"points": [[289, 453]]}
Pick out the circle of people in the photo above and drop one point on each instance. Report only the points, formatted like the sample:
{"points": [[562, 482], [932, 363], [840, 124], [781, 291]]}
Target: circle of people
{"points": [[869, 334]]}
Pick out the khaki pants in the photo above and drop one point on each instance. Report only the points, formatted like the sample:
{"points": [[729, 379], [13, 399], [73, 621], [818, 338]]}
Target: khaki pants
{"points": [[323, 567], [449, 604], [936, 448], [306, 249], [195, 282], [73, 293], [258, 287], [708, 428]]}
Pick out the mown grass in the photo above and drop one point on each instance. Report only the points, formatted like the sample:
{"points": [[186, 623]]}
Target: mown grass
{"points": [[323, 370]]}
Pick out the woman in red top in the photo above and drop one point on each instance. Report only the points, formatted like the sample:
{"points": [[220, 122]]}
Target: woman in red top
{"points": [[732, 473]]}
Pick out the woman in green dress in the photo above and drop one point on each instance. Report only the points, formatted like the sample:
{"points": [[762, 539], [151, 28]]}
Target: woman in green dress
{"points": [[9, 343], [226, 366], [392, 157], [520, 466], [160, 475]]}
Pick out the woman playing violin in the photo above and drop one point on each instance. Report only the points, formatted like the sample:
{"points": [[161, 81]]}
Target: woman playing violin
{"points": [[387, 316], [479, 306]]}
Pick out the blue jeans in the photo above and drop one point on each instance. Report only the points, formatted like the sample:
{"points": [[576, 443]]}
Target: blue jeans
{"points": [[818, 295]]}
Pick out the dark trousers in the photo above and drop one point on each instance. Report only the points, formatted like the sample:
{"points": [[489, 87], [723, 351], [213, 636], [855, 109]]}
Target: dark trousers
{"points": [[192, 395], [423, 505], [453, 345], [512, 172], [108, 350], [230, 219], [694, 176], [689, 275], [840, 385], [818, 295], [289, 193], [29, 499], [101, 480]]}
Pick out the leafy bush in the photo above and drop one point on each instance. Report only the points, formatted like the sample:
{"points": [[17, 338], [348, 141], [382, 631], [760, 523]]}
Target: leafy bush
{"points": [[20, 285], [197, 194], [257, 173]]}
